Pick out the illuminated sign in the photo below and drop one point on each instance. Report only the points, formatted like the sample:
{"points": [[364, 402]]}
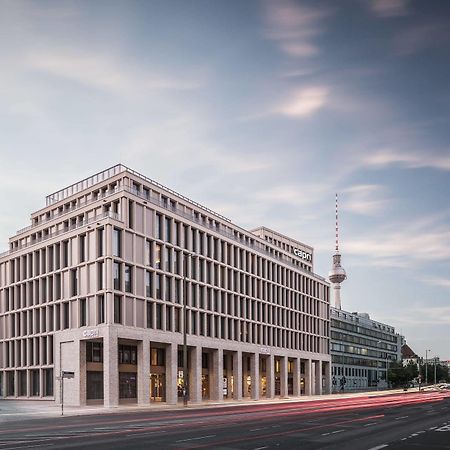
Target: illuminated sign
{"points": [[302, 254]]}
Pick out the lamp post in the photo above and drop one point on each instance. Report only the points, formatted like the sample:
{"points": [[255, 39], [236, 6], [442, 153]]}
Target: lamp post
{"points": [[426, 366], [185, 360], [435, 364]]}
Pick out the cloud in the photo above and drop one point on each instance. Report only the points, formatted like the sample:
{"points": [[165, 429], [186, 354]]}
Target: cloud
{"points": [[104, 72], [417, 38], [304, 102], [389, 8], [410, 160], [364, 199], [293, 27], [437, 281]]}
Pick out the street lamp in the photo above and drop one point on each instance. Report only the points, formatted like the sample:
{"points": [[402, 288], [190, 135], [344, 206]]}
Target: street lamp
{"points": [[185, 359], [426, 367]]}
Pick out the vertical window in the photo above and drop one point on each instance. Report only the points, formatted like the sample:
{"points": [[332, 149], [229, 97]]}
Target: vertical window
{"points": [[130, 214], [82, 247], [117, 309], [157, 256], [100, 241], [101, 309], [117, 242], [82, 312], [167, 259], [147, 257], [100, 285], [158, 286], [168, 229], [159, 320], [149, 315], [66, 319], [117, 281], [65, 253], [158, 226], [74, 282], [148, 284], [128, 278]]}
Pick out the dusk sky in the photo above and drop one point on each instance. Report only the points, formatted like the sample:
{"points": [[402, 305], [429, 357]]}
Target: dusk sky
{"points": [[260, 110]]}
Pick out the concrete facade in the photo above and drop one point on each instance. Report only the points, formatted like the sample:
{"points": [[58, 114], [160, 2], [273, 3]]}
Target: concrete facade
{"points": [[99, 285]]}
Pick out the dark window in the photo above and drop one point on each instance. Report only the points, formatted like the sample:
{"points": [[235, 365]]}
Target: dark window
{"points": [[157, 357], [149, 315], [128, 278], [127, 385], [82, 312], [94, 352], [117, 242], [66, 315], [82, 247], [100, 276], [158, 226], [100, 241], [117, 279], [148, 284], [159, 316], [94, 385], [74, 281], [117, 309], [127, 354], [48, 382], [101, 309]]}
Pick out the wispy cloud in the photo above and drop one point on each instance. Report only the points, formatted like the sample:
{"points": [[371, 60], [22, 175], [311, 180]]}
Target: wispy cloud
{"points": [[304, 102], [105, 73], [411, 160], [366, 199], [437, 281], [389, 8], [294, 27]]}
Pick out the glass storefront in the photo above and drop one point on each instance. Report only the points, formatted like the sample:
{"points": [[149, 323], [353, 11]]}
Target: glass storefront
{"points": [[158, 387], [127, 385], [94, 385]]}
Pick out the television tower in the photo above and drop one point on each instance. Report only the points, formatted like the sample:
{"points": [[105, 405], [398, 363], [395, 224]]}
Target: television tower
{"points": [[337, 274]]}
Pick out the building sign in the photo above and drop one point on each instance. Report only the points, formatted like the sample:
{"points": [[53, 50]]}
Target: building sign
{"points": [[90, 333], [302, 254], [265, 350]]}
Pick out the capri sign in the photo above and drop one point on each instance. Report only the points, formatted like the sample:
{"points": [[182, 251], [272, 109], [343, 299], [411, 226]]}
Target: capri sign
{"points": [[302, 254]]}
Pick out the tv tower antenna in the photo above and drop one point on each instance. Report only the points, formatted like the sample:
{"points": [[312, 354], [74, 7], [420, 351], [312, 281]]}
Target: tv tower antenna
{"points": [[337, 274]]}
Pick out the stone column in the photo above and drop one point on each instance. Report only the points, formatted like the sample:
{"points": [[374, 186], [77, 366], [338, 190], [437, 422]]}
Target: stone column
{"points": [[110, 368], [83, 374], [216, 373], [308, 377], [171, 374], [143, 377], [254, 373], [284, 376], [296, 377], [327, 377], [318, 377], [195, 374], [270, 376], [237, 375]]}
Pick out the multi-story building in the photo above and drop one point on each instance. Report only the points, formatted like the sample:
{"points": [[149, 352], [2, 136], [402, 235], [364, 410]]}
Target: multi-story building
{"points": [[361, 351], [114, 269]]}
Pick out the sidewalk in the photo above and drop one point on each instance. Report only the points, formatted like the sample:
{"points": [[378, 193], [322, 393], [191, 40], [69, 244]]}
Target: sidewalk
{"points": [[28, 409]]}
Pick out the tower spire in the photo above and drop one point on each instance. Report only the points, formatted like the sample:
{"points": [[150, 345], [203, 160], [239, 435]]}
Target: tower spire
{"points": [[337, 274]]}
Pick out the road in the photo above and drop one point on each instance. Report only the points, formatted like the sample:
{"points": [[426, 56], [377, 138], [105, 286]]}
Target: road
{"points": [[420, 420]]}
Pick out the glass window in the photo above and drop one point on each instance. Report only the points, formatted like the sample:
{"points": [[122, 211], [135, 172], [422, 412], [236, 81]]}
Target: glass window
{"points": [[117, 309], [82, 312], [148, 284], [157, 256], [94, 351], [82, 247], [128, 278], [94, 384], [117, 281], [100, 241], [127, 354], [117, 242], [101, 309], [158, 226], [127, 385]]}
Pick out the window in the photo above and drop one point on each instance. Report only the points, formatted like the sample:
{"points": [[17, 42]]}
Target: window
{"points": [[127, 354], [48, 382], [117, 309], [147, 257], [148, 284], [159, 316], [117, 242], [66, 318], [157, 357], [117, 281], [149, 315], [157, 256], [101, 309], [158, 286], [100, 285], [82, 312], [65, 253], [94, 352], [100, 241], [82, 247], [127, 385], [94, 384], [158, 226], [74, 282], [168, 229], [128, 278]]}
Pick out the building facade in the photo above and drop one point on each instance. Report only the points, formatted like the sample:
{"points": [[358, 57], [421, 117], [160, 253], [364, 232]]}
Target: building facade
{"points": [[361, 351], [110, 274]]}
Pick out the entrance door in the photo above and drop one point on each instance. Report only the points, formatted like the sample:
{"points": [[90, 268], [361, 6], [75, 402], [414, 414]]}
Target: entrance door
{"points": [[157, 387]]}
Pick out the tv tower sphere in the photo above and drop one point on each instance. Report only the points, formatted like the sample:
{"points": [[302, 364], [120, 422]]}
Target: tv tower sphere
{"points": [[337, 273]]}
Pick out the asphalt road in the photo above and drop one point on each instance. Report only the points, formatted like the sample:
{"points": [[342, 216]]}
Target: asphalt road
{"points": [[410, 420]]}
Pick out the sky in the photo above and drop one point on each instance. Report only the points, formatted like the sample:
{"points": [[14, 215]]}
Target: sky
{"points": [[261, 111]]}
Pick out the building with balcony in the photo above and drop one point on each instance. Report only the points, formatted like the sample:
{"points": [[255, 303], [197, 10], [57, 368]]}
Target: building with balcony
{"points": [[116, 268], [361, 351]]}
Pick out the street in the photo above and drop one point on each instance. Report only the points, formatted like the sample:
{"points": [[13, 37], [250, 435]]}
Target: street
{"points": [[395, 421]]}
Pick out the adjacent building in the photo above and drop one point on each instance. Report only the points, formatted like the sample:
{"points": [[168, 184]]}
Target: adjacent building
{"points": [[361, 351], [111, 273]]}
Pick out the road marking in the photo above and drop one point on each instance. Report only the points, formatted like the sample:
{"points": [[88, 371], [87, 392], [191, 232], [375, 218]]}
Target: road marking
{"points": [[196, 439], [260, 448], [444, 428], [370, 424], [257, 429], [337, 431], [378, 447], [403, 417], [325, 434]]}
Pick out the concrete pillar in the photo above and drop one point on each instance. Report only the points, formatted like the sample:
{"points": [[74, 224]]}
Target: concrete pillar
{"points": [[216, 374], [308, 377], [254, 373], [327, 377], [143, 378], [270, 376], [171, 374], [110, 368], [284, 376], [82, 372], [318, 377], [195, 374], [296, 377], [237, 375]]}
